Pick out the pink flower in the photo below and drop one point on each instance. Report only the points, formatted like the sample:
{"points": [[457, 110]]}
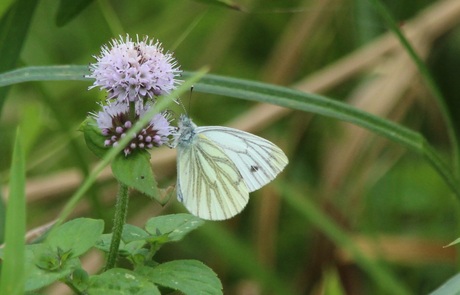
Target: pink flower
{"points": [[132, 71], [115, 120]]}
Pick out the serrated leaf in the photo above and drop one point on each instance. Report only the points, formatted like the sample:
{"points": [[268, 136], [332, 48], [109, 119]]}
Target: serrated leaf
{"points": [[93, 137], [187, 276], [175, 226], [68, 9], [118, 281], [77, 235], [135, 172]]}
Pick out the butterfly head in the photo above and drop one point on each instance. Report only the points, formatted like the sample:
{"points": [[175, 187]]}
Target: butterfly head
{"points": [[185, 131]]}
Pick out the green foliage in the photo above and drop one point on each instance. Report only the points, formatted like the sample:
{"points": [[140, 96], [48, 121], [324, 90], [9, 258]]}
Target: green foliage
{"points": [[187, 276], [57, 258], [46, 265], [76, 236], [135, 171], [173, 227], [271, 250], [121, 282], [93, 137]]}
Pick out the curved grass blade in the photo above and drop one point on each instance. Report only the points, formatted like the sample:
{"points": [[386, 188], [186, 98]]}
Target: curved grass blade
{"points": [[278, 95], [49, 73], [321, 105]]}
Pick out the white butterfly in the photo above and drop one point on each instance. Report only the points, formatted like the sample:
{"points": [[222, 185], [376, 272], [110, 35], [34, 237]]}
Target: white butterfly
{"points": [[218, 166]]}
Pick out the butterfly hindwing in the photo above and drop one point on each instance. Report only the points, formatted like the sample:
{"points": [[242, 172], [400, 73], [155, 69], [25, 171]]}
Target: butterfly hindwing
{"points": [[209, 183]]}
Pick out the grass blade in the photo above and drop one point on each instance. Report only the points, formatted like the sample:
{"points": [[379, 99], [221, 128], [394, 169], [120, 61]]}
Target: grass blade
{"points": [[13, 273], [278, 95]]}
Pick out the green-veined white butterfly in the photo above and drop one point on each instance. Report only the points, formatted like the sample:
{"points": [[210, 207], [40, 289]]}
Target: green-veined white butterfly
{"points": [[218, 166]]}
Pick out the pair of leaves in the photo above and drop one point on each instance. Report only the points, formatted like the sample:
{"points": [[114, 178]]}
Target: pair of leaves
{"points": [[158, 231], [187, 276]]}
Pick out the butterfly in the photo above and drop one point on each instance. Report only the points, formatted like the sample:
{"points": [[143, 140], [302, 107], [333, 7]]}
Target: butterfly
{"points": [[217, 168]]}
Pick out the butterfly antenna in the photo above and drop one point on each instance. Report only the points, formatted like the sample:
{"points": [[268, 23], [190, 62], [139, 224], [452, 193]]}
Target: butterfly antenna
{"points": [[190, 98]]}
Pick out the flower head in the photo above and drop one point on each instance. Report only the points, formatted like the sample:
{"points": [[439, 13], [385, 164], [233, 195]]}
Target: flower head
{"points": [[132, 71], [115, 120]]}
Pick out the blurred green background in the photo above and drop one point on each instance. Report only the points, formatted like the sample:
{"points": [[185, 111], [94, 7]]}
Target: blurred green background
{"points": [[388, 202]]}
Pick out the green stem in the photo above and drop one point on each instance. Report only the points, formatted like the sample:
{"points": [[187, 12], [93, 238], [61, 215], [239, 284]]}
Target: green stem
{"points": [[121, 210]]}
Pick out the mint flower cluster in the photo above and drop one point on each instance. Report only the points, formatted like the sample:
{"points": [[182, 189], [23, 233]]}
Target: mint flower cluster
{"points": [[134, 74]]}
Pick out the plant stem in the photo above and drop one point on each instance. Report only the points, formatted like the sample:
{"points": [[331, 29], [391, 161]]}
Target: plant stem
{"points": [[121, 210]]}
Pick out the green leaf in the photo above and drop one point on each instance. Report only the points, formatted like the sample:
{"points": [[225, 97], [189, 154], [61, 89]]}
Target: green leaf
{"points": [[13, 272], [224, 3], [187, 276], [135, 172], [14, 26], [451, 287], [175, 226], [133, 233], [77, 235], [68, 9], [80, 278], [38, 276], [103, 243], [93, 137], [118, 281]]}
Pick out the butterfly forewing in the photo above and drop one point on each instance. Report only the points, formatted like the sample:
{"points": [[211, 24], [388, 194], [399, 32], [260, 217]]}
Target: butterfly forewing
{"points": [[209, 183], [258, 160]]}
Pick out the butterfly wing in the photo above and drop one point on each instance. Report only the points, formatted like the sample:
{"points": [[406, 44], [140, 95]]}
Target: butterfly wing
{"points": [[209, 183], [258, 160]]}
